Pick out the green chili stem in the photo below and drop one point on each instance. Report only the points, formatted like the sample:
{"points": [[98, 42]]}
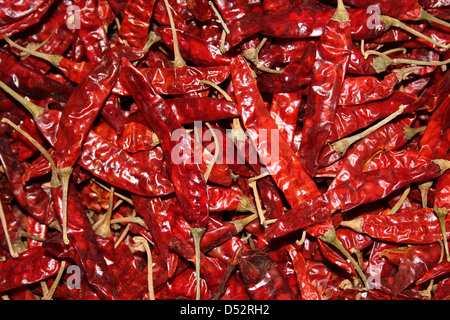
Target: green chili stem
{"points": [[442, 213], [197, 234], [330, 237]]}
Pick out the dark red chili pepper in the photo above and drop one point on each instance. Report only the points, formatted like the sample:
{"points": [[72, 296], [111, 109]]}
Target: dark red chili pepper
{"points": [[295, 76], [32, 197], [136, 22], [415, 264], [31, 266], [83, 238], [332, 55], [307, 22], [287, 171], [417, 227], [368, 187], [159, 220], [15, 17], [30, 82], [195, 49], [82, 108]]}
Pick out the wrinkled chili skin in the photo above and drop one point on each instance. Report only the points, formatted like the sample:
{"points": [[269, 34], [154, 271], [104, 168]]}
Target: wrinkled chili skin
{"points": [[83, 238], [32, 266], [112, 164], [82, 108], [255, 116], [262, 278], [30, 82], [32, 197], [327, 77], [189, 184], [418, 227]]}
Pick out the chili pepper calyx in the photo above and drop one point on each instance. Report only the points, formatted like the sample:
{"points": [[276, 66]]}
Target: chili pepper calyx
{"points": [[442, 213], [341, 14], [411, 132], [246, 205], [442, 163], [355, 224], [241, 223]]}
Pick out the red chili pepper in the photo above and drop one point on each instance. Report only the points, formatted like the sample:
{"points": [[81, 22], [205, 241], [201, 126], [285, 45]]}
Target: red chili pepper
{"points": [[25, 15], [332, 55], [287, 170], [195, 49], [417, 227], [135, 23], [32, 266]]}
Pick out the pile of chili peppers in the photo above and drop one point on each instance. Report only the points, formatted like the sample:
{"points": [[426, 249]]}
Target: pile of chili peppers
{"points": [[225, 149]]}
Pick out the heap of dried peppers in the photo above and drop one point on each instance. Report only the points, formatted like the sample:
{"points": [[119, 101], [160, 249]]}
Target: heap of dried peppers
{"points": [[225, 149]]}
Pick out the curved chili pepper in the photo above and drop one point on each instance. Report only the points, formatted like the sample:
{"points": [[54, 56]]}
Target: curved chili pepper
{"points": [[415, 264], [83, 238], [82, 108], [25, 15], [295, 76], [307, 22], [30, 82], [368, 187], [32, 197], [417, 227], [287, 171], [332, 55]]}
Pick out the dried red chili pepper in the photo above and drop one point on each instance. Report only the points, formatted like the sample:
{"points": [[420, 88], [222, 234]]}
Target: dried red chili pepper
{"points": [[255, 116], [24, 15], [189, 183], [135, 23], [417, 227], [332, 55], [368, 186], [34, 265]]}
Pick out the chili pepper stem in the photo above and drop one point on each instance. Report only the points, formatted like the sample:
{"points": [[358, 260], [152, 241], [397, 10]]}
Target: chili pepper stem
{"points": [[425, 15], [103, 225], [12, 252], [259, 208], [143, 242], [54, 182], [330, 237], [179, 61], [411, 132], [392, 22], [51, 291], [64, 176], [342, 145], [424, 187], [400, 201], [216, 153], [252, 55], [442, 213], [35, 110], [219, 16], [355, 224], [341, 14], [197, 234], [246, 205], [52, 58], [125, 232], [241, 223]]}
